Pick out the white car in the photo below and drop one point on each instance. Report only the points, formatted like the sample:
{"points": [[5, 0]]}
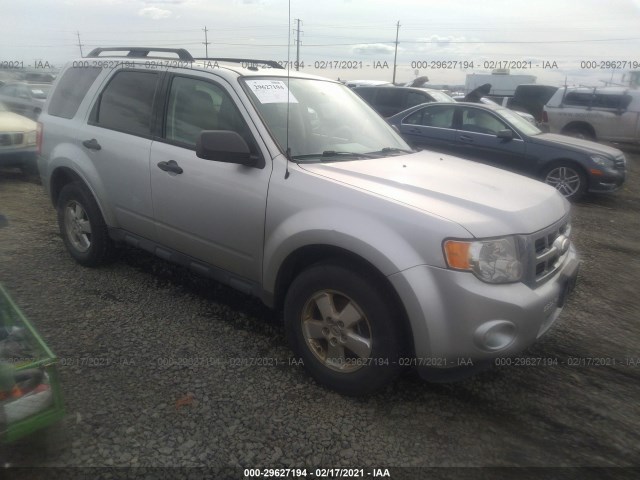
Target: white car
{"points": [[17, 141], [595, 113]]}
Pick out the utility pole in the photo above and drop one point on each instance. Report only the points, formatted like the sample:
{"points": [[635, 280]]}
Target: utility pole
{"points": [[298, 31], [206, 42], [395, 55], [80, 43]]}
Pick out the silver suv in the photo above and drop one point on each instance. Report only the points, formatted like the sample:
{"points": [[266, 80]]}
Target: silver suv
{"points": [[294, 190]]}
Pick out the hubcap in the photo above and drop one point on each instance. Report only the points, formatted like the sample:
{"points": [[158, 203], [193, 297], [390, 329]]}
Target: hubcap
{"points": [[336, 331], [566, 180], [77, 226]]}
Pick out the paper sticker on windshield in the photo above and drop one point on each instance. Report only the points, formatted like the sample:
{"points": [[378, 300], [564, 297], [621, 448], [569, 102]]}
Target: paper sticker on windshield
{"points": [[271, 91]]}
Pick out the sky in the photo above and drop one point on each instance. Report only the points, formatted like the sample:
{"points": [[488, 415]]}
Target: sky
{"points": [[555, 40]]}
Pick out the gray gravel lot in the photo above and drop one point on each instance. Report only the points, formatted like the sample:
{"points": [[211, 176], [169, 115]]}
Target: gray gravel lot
{"points": [[162, 368]]}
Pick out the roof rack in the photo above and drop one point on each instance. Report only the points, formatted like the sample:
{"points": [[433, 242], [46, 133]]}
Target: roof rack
{"points": [[143, 52], [271, 63]]}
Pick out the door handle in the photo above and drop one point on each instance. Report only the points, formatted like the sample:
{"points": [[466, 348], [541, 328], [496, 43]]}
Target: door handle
{"points": [[170, 166], [92, 144], [465, 138]]}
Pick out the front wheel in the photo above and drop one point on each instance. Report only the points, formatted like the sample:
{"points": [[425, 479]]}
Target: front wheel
{"points": [[82, 227], [568, 179], [345, 329]]}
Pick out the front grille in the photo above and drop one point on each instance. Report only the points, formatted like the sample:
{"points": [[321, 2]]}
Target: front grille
{"points": [[546, 251], [9, 139], [620, 163]]}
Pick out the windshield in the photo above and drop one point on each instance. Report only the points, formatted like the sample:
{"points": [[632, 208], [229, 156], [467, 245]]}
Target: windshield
{"points": [[519, 122], [3, 107], [440, 96], [327, 121]]}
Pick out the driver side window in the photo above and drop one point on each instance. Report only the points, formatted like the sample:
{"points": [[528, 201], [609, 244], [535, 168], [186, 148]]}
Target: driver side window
{"points": [[196, 105], [479, 121]]}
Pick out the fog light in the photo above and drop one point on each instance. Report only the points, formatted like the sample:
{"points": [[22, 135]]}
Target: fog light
{"points": [[495, 335]]}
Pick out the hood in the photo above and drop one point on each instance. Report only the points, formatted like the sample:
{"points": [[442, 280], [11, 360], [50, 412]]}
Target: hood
{"points": [[576, 144], [486, 201], [12, 122]]}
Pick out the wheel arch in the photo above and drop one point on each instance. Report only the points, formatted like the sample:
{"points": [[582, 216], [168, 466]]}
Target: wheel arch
{"points": [[308, 255], [559, 161], [63, 175], [580, 125]]}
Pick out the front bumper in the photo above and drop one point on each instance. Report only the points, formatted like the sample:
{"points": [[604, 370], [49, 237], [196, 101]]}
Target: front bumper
{"points": [[17, 157], [459, 321], [610, 181]]}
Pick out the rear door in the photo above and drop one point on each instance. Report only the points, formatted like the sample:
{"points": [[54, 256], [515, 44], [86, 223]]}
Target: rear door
{"points": [[431, 128], [117, 139]]}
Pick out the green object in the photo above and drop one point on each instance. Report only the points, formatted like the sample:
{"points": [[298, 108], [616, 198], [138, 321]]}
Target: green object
{"points": [[41, 357]]}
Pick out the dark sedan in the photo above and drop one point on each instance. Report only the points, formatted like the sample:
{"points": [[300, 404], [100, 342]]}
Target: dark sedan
{"points": [[500, 137]]}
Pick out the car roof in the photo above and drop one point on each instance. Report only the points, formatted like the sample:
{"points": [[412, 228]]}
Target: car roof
{"points": [[256, 68], [390, 85]]}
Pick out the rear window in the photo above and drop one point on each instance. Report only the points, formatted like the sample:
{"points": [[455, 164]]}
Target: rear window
{"points": [[126, 103], [71, 89]]}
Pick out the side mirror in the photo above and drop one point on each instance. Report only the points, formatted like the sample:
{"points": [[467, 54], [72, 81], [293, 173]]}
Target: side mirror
{"points": [[225, 146], [505, 134], [396, 129]]}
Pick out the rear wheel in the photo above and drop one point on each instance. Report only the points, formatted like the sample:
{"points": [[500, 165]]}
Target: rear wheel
{"points": [[82, 227], [568, 179], [345, 329]]}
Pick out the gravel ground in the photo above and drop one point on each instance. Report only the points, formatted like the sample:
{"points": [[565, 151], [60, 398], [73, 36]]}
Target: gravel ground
{"points": [[156, 367]]}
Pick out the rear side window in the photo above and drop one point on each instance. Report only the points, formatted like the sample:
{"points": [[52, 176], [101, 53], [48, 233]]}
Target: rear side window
{"points": [[389, 97], [366, 93], [416, 98], [126, 103], [579, 99], [71, 89], [439, 116], [597, 100]]}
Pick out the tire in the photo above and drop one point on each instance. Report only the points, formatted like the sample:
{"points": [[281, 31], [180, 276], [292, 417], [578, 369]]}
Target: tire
{"points": [[330, 310], [569, 179], [82, 226]]}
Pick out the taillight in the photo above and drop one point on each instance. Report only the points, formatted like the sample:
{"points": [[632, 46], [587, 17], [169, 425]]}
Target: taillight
{"points": [[545, 117], [39, 138]]}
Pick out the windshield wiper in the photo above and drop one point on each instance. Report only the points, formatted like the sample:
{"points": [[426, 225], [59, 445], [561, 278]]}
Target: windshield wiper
{"points": [[388, 150], [333, 153]]}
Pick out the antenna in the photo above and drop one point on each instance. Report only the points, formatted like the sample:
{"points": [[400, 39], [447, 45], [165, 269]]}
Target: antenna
{"points": [[288, 151]]}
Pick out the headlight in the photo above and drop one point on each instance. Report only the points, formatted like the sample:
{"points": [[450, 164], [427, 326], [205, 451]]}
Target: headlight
{"points": [[30, 138], [604, 162], [492, 261]]}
